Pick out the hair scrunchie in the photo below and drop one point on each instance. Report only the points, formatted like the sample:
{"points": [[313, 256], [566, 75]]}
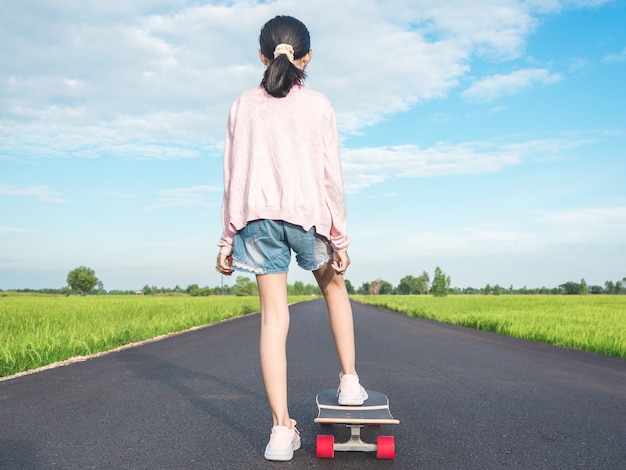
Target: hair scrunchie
{"points": [[285, 49]]}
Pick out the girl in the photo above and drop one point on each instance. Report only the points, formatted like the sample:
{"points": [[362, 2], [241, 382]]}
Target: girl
{"points": [[283, 191]]}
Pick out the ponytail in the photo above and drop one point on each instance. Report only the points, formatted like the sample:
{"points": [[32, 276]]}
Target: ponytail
{"points": [[280, 76], [283, 40]]}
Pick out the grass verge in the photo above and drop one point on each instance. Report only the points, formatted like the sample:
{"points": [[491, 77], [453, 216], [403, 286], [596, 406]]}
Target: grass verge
{"points": [[40, 330], [590, 323]]}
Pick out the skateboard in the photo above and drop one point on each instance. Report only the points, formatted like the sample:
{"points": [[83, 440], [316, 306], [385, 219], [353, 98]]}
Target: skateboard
{"points": [[374, 412]]}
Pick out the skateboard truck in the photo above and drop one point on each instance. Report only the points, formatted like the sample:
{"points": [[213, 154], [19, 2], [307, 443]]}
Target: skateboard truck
{"points": [[374, 412], [384, 447], [355, 442]]}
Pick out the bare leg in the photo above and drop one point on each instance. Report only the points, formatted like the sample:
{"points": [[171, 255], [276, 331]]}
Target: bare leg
{"points": [[340, 316], [273, 343]]}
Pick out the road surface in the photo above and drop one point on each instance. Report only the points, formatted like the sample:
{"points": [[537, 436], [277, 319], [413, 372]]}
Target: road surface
{"points": [[466, 400]]}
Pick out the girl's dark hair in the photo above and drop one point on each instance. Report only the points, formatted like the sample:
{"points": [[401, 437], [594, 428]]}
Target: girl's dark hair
{"points": [[281, 75]]}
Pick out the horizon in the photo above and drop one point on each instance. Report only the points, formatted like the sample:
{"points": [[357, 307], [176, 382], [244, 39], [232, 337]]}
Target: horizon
{"points": [[311, 283]]}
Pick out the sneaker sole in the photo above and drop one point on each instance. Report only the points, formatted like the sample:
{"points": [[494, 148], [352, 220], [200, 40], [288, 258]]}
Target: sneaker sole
{"points": [[351, 400], [281, 455]]}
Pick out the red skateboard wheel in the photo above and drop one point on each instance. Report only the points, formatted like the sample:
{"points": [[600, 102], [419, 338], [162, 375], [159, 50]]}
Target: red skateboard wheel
{"points": [[326, 447], [386, 447]]}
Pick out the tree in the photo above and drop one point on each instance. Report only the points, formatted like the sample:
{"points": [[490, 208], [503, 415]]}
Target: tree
{"points": [[618, 287], [571, 288], [596, 290], [413, 285], [244, 286], [297, 288], [374, 287], [422, 283], [364, 289], [386, 288], [82, 279], [584, 288], [349, 287], [441, 283], [408, 285]]}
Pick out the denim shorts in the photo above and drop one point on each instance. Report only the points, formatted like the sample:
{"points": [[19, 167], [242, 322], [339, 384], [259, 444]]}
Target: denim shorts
{"points": [[264, 247]]}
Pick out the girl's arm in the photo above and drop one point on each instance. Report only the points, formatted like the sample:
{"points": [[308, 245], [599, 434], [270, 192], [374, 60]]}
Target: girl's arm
{"points": [[335, 198]]}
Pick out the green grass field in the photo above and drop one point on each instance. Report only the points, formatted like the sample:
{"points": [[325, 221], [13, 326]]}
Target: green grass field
{"points": [[595, 323], [39, 330]]}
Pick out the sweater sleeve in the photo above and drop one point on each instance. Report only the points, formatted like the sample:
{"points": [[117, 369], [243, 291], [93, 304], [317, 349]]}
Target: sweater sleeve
{"points": [[335, 199], [228, 232]]}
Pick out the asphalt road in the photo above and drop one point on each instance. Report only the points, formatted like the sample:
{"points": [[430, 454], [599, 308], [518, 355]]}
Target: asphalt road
{"points": [[465, 399]]}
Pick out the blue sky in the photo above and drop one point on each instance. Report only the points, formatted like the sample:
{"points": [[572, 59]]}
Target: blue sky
{"points": [[485, 137]]}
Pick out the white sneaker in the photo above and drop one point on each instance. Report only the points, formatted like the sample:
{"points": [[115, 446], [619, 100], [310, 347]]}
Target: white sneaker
{"points": [[283, 441], [350, 391]]}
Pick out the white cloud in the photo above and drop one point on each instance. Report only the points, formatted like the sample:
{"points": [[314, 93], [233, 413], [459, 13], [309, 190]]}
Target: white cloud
{"points": [[155, 79], [366, 167], [617, 57], [495, 86], [551, 6], [491, 27], [41, 192]]}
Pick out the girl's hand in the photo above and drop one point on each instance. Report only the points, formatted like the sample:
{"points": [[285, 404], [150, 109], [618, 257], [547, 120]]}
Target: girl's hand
{"points": [[341, 261], [223, 264]]}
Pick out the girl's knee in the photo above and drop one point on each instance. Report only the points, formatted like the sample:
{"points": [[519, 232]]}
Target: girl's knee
{"points": [[336, 288]]}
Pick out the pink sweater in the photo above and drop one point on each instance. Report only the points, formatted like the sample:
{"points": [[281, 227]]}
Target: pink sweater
{"points": [[281, 162]]}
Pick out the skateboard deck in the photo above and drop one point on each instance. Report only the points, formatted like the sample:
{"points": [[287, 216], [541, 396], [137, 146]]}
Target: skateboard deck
{"points": [[374, 412]]}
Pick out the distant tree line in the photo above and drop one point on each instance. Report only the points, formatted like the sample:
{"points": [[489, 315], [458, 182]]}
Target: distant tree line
{"points": [[83, 281], [410, 285]]}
